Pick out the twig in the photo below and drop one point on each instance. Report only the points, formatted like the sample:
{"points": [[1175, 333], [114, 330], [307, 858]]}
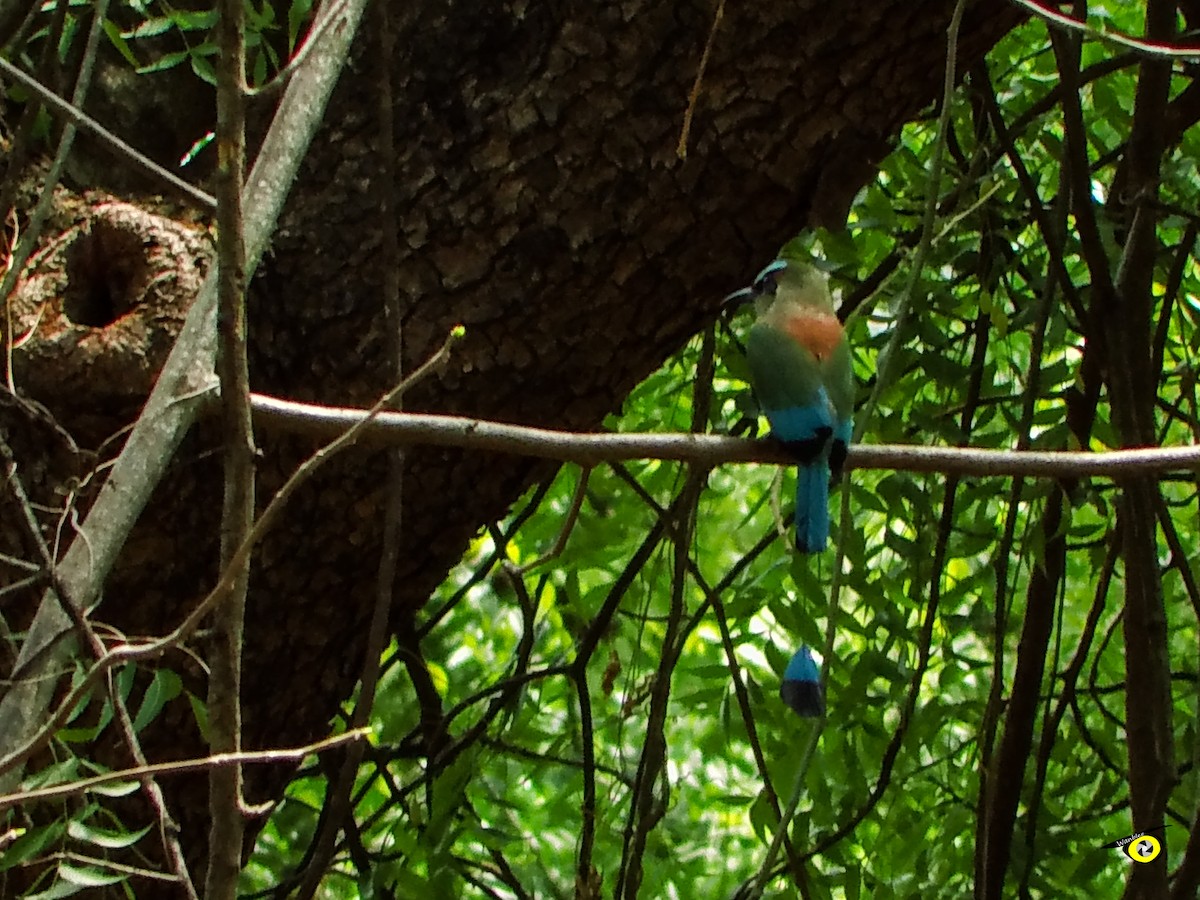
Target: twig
{"points": [[337, 798], [225, 804], [648, 803], [326, 16], [1153, 49], [885, 365], [564, 534], [180, 767], [16, 262], [10, 340], [167, 827], [694, 96]]}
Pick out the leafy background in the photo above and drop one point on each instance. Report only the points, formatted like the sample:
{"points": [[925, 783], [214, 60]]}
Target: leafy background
{"points": [[933, 573], [554, 680]]}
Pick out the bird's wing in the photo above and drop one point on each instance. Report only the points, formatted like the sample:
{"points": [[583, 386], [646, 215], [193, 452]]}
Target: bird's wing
{"points": [[783, 372], [837, 375]]}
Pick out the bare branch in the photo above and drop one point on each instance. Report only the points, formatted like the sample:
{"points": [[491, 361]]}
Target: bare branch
{"points": [[225, 804], [591, 448], [220, 760], [564, 534], [1152, 49]]}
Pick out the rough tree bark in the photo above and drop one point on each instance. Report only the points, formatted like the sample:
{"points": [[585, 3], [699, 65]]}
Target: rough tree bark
{"points": [[542, 205]]}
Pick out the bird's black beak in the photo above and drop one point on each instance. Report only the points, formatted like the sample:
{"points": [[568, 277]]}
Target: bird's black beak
{"points": [[737, 298]]}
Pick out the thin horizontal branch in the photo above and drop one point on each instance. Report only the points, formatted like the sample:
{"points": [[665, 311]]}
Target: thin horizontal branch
{"points": [[216, 761], [399, 428], [1152, 49]]}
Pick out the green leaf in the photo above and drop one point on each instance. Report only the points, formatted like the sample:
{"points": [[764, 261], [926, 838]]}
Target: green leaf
{"points": [[57, 890], [117, 39], [203, 69], [297, 15], [164, 62], [194, 20], [763, 819], [164, 688], [101, 837], [149, 28], [57, 773], [196, 148], [260, 68], [200, 711], [30, 844], [114, 788], [88, 876]]}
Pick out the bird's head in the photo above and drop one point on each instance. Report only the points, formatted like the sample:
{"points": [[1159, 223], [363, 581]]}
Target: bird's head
{"points": [[789, 277], [762, 289], [792, 281]]}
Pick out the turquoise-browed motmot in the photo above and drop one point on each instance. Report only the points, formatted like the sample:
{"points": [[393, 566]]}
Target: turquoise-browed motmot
{"points": [[801, 373]]}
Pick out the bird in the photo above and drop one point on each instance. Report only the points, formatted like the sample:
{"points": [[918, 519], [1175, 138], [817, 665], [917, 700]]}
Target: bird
{"points": [[803, 379], [801, 685]]}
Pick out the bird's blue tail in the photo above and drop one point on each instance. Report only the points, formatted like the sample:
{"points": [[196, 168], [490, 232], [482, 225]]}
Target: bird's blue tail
{"points": [[801, 686], [812, 507]]}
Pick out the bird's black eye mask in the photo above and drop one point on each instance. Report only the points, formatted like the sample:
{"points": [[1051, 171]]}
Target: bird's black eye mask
{"points": [[765, 285], [765, 282]]}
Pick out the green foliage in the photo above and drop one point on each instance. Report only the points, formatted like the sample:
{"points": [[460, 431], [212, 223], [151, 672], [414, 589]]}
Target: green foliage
{"points": [[548, 680], [991, 358], [75, 843], [194, 29], [154, 35]]}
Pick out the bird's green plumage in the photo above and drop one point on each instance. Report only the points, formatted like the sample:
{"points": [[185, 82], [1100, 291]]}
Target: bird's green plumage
{"points": [[837, 374], [784, 373], [801, 370]]}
